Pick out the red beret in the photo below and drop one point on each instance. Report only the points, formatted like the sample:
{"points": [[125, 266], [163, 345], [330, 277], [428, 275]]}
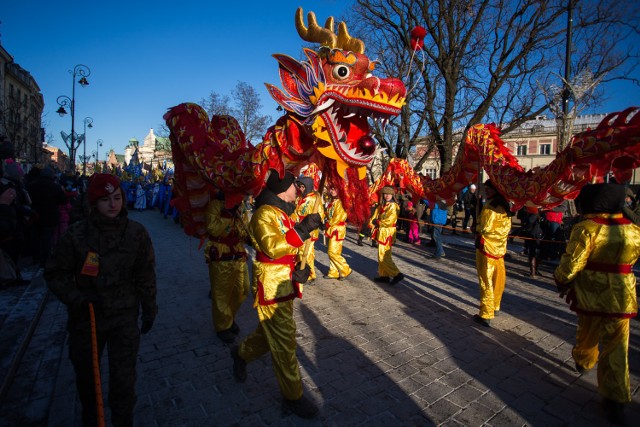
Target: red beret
{"points": [[101, 185]]}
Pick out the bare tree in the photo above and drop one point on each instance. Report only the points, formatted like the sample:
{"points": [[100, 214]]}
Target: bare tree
{"points": [[216, 104], [485, 60], [247, 111]]}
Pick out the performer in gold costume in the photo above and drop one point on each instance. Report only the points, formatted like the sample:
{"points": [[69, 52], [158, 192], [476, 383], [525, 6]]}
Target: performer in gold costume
{"points": [[596, 271], [227, 259], [305, 204], [276, 282], [383, 222], [491, 245], [336, 230]]}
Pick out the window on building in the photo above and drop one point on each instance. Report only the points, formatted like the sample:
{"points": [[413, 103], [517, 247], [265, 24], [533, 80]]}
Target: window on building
{"points": [[522, 150], [545, 149], [431, 173]]}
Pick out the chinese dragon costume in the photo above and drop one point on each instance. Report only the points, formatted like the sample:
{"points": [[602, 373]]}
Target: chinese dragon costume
{"points": [[328, 100]]}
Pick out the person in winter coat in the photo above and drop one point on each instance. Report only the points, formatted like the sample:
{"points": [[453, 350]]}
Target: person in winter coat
{"points": [[413, 225], [438, 218], [276, 283], [469, 204], [336, 230], [383, 222], [631, 208], [227, 259], [305, 204], [491, 245], [46, 197], [105, 263], [597, 273]]}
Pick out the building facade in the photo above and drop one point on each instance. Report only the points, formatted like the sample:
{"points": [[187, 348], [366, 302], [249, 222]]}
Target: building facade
{"points": [[21, 107]]}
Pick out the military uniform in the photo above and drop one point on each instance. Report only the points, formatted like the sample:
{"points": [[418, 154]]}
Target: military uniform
{"points": [[336, 230], [112, 262], [227, 259]]}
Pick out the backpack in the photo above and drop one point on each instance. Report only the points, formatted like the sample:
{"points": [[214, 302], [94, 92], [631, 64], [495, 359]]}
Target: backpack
{"points": [[536, 231]]}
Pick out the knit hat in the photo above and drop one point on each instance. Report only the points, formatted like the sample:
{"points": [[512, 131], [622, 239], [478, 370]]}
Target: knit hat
{"points": [[307, 181], [277, 185], [601, 198], [387, 189], [101, 185], [472, 186]]}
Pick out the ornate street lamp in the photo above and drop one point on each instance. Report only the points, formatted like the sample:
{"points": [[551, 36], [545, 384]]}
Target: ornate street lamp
{"points": [[88, 122], [64, 101], [98, 145]]}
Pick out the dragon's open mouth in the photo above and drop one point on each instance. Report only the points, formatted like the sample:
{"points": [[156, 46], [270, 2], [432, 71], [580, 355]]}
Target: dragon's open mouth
{"points": [[349, 130]]}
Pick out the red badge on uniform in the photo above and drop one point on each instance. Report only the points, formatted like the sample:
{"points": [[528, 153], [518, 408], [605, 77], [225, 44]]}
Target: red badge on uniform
{"points": [[91, 264]]}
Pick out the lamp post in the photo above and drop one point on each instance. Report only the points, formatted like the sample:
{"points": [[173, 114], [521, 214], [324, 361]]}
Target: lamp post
{"points": [[88, 122], [64, 101], [98, 145]]}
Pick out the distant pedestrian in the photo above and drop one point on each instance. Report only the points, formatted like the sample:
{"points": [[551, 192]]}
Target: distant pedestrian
{"points": [[491, 245], [533, 232], [46, 197], [597, 272], [470, 206], [141, 198], [438, 218], [335, 231], [413, 225], [631, 207], [383, 222], [108, 261], [276, 283]]}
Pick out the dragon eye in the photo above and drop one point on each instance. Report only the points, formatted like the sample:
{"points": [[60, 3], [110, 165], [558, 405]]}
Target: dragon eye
{"points": [[341, 72]]}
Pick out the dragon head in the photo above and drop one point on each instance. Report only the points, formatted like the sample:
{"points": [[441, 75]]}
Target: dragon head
{"points": [[335, 94]]}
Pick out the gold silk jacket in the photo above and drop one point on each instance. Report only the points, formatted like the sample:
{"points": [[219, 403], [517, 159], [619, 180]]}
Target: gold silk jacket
{"points": [[336, 220], [493, 229], [278, 245], [227, 232], [598, 266], [387, 216], [304, 207]]}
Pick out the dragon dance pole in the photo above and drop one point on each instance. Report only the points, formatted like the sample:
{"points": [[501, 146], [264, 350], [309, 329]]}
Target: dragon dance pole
{"points": [[96, 368], [316, 206]]}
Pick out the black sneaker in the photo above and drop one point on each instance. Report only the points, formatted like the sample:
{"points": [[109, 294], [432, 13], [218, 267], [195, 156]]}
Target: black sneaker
{"points": [[580, 369], [303, 407], [480, 320], [397, 278], [614, 411], [235, 329], [381, 279], [226, 336], [239, 366]]}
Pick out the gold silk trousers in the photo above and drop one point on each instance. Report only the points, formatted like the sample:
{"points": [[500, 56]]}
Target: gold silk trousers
{"points": [[492, 279], [336, 232], [276, 334], [229, 288]]}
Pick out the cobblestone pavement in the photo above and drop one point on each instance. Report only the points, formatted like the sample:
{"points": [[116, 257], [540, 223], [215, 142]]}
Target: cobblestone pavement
{"points": [[370, 354]]}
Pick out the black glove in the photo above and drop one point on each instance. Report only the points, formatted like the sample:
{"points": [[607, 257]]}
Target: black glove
{"points": [[81, 302], [146, 326], [307, 225], [301, 275]]}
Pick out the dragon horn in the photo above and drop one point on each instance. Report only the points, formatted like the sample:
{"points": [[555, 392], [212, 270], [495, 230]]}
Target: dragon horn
{"points": [[326, 35]]}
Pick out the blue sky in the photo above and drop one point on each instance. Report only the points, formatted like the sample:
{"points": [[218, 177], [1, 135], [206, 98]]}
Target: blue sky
{"points": [[147, 56]]}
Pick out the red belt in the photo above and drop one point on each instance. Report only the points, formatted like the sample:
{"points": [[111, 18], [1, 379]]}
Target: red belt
{"points": [[285, 260], [609, 268]]}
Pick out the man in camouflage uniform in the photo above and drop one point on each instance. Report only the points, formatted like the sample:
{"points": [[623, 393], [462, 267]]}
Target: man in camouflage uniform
{"points": [[107, 261]]}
